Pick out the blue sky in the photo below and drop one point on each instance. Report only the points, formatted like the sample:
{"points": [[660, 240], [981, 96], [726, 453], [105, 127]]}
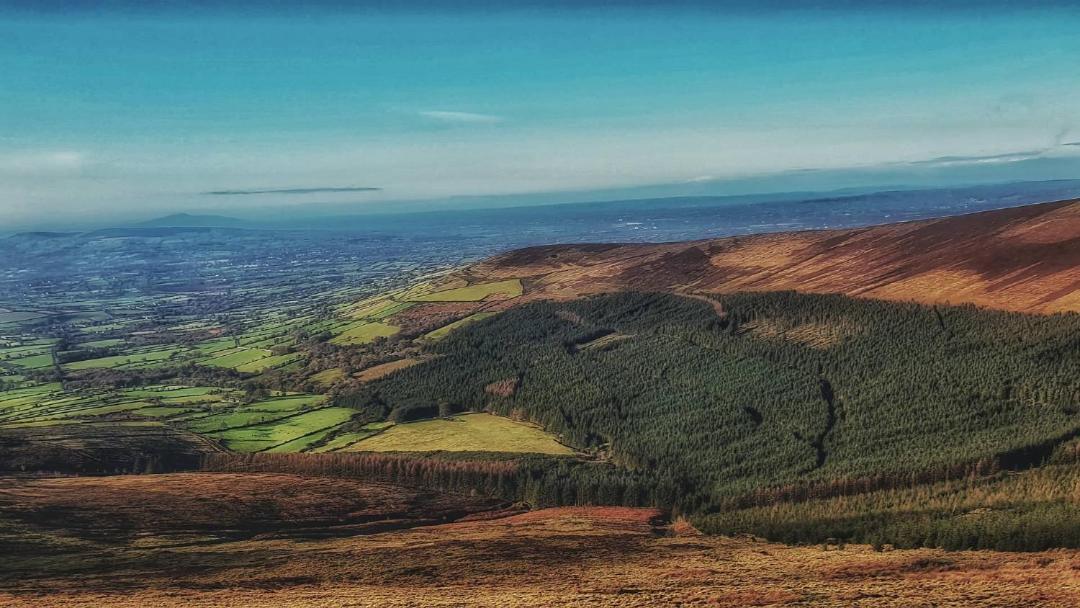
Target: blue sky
{"points": [[139, 111]]}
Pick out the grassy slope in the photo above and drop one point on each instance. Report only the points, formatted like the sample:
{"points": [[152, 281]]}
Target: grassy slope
{"points": [[272, 434], [363, 333], [1024, 259], [473, 293], [445, 330], [472, 433]]}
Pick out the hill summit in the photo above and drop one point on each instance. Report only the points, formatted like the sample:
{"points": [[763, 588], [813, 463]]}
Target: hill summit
{"points": [[188, 220], [1023, 259]]}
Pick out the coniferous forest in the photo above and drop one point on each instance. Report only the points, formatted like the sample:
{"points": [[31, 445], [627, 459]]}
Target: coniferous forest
{"points": [[764, 399]]}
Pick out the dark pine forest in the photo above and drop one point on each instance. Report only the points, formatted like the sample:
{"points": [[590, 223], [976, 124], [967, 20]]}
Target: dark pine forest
{"points": [[782, 397]]}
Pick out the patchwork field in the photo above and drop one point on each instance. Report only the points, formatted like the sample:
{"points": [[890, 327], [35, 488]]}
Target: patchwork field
{"points": [[363, 333], [138, 358], [380, 309], [48, 402], [30, 360], [9, 316], [291, 433], [44, 424]]}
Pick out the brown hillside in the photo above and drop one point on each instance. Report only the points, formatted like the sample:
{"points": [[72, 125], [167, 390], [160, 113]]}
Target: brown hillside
{"points": [[136, 541], [1022, 259]]}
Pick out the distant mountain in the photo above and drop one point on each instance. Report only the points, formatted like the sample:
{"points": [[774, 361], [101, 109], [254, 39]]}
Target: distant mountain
{"points": [[188, 220], [42, 235], [1023, 259]]}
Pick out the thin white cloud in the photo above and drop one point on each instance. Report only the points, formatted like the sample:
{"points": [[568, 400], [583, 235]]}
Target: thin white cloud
{"points": [[461, 117], [35, 163], [1008, 157]]}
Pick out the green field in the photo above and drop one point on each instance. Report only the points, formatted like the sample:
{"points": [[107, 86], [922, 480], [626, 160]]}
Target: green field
{"points": [[33, 361], [343, 441], [266, 436], [226, 421], [467, 433], [473, 293], [381, 309], [302, 443], [23, 350], [101, 343], [267, 363], [245, 359], [216, 345], [255, 413], [328, 376], [171, 393], [44, 403], [103, 410], [446, 329], [163, 411], [282, 404], [134, 359], [19, 316], [364, 333], [234, 358]]}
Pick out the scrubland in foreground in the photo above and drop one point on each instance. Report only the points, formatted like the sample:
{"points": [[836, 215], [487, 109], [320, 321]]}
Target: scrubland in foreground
{"points": [[570, 556]]}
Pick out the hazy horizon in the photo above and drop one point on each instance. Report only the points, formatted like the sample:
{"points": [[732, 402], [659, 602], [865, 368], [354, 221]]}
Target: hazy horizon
{"points": [[141, 111]]}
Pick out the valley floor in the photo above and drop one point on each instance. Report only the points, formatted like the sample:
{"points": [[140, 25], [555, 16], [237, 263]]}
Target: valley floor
{"points": [[282, 540]]}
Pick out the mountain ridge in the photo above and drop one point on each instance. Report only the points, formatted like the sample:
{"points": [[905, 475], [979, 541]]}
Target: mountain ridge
{"points": [[192, 220], [1021, 259]]}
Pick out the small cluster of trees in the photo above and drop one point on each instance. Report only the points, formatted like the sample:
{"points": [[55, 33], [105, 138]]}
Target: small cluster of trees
{"points": [[540, 481]]}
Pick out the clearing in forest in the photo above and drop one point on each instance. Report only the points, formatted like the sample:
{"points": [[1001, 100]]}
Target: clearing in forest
{"points": [[466, 433], [384, 369]]}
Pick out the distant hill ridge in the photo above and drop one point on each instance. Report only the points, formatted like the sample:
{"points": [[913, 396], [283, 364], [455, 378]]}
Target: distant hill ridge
{"points": [[42, 234], [188, 220], [1024, 259]]}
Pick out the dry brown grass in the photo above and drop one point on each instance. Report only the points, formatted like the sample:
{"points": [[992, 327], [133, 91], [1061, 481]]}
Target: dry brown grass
{"points": [[381, 371], [503, 388], [814, 335], [555, 557], [1023, 259], [129, 506]]}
